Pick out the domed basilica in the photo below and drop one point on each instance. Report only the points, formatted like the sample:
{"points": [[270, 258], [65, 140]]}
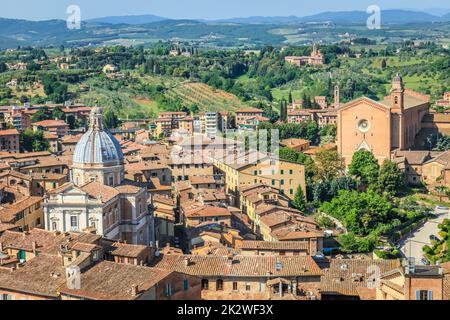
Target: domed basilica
{"points": [[98, 197]]}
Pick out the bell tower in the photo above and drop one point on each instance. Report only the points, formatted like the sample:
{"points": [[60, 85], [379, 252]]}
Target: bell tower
{"points": [[397, 108], [336, 96], [397, 94]]}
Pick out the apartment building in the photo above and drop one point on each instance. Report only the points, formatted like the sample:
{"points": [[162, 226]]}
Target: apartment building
{"points": [[248, 277], [26, 214], [252, 167], [9, 140], [57, 127]]}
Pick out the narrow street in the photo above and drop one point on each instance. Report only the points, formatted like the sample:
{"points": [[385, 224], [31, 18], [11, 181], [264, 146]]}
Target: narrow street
{"points": [[412, 245]]}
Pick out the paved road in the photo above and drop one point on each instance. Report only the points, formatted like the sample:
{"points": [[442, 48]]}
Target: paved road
{"points": [[412, 245]]}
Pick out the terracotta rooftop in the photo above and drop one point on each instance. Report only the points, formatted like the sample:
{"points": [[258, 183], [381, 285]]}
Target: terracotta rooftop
{"points": [[294, 142], [100, 191], [127, 250], [443, 158], [206, 211], [115, 281], [249, 110], [240, 265], [344, 276], [7, 226], [202, 179], [272, 245], [9, 132], [44, 241], [129, 187], [8, 213], [51, 123], [42, 276]]}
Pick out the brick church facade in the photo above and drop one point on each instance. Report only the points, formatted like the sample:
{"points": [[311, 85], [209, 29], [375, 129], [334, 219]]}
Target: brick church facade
{"points": [[381, 126]]}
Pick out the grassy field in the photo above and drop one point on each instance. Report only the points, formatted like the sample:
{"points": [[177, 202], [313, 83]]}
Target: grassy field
{"points": [[205, 97]]}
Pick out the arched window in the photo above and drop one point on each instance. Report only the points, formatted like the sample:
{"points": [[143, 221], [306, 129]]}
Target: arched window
{"points": [[396, 100]]}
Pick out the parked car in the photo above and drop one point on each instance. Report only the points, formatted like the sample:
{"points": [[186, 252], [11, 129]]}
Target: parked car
{"points": [[441, 208], [433, 237], [320, 255], [328, 233]]}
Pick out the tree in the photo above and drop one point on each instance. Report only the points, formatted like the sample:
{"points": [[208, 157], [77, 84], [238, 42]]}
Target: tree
{"points": [[58, 113], [391, 179], [299, 199], [31, 141], [329, 164], [360, 212], [71, 121], [442, 143], [348, 243], [364, 166], [41, 115], [110, 119]]}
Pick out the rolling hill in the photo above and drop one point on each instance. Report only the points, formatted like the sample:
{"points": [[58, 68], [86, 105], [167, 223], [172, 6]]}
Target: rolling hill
{"points": [[206, 97], [139, 19]]}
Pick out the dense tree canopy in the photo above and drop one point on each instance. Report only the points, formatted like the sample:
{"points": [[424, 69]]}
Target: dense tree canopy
{"points": [[364, 166], [31, 141], [391, 179]]}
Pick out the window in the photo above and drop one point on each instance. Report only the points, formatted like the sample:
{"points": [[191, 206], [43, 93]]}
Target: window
{"points": [[205, 284], [54, 226], [424, 295], [74, 222], [219, 285], [273, 182], [282, 171], [111, 181], [235, 286], [186, 283], [291, 191], [291, 171], [7, 297], [168, 289], [282, 182]]}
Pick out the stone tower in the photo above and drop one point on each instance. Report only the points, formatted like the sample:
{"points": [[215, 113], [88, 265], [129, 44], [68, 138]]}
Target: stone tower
{"points": [[337, 99], [397, 108]]}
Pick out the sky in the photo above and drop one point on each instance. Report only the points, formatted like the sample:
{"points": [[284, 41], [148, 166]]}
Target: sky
{"points": [[198, 9]]}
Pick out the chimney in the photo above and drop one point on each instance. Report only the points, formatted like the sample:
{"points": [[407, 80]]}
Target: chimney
{"points": [[34, 246], [134, 291]]}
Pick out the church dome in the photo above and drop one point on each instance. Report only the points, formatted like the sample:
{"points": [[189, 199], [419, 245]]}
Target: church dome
{"points": [[97, 145]]}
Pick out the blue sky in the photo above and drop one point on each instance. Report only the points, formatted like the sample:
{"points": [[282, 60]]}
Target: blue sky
{"points": [[198, 9]]}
